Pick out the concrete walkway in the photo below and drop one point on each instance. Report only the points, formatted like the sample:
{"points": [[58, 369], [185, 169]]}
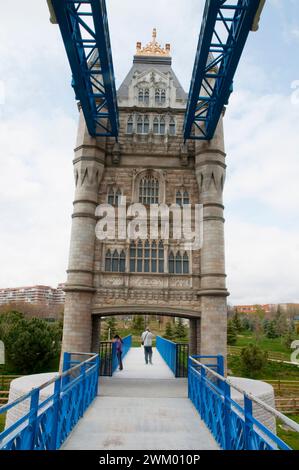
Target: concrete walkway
{"points": [[142, 407]]}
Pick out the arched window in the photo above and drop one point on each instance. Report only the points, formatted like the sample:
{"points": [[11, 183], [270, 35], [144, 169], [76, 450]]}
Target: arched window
{"points": [[147, 256], [178, 264], [149, 190], [143, 95], [122, 262], [108, 261], [160, 96], [114, 196], [171, 263], [142, 124], [130, 125], [182, 197], [172, 126], [159, 125], [115, 262]]}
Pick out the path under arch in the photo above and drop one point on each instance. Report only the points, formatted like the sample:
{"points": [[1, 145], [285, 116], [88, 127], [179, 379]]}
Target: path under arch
{"points": [[143, 407]]}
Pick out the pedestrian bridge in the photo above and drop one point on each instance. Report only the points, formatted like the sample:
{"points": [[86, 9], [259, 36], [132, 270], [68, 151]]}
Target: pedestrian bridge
{"points": [[142, 407]]}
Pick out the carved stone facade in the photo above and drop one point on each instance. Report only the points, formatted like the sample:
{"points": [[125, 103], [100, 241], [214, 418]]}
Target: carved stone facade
{"points": [[149, 163]]}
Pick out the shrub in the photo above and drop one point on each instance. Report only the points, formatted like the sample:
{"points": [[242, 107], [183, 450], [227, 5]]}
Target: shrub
{"points": [[231, 333], [253, 359], [168, 331]]}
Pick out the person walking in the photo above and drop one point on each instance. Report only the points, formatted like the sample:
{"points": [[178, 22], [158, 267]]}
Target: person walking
{"points": [[147, 342], [119, 350]]}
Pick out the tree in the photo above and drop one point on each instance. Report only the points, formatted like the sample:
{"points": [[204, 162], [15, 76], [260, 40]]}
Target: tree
{"points": [[253, 359], [31, 345], [138, 324], [271, 329], [168, 331], [237, 322], [246, 324], [180, 330], [111, 327], [288, 338], [231, 333]]}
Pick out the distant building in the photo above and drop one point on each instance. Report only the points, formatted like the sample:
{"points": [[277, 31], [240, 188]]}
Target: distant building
{"points": [[247, 309], [33, 294]]}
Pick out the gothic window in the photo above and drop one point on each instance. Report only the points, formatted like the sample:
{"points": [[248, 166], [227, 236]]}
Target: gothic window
{"points": [[160, 96], [114, 195], [130, 125], [147, 256], [159, 125], [143, 95], [149, 190], [142, 124], [178, 264], [115, 262], [182, 197], [172, 126]]}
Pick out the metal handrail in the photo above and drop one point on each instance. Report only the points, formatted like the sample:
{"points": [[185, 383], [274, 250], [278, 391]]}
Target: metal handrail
{"points": [[61, 375], [292, 424]]}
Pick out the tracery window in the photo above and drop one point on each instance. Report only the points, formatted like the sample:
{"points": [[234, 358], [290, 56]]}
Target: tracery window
{"points": [[115, 262], [130, 125], [142, 124], [143, 95], [178, 264], [182, 197], [114, 195], [159, 125], [172, 126], [147, 256], [149, 190], [160, 96]]}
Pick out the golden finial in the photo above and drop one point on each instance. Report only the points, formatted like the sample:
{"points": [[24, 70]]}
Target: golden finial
{"points": [[153, 48]]}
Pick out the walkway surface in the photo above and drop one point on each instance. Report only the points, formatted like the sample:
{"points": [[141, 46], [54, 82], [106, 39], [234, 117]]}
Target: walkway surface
{"points": [[143, 407]]}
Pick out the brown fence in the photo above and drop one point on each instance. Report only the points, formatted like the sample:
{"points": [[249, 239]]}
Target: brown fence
{"points": [[287, 405], [4, 387]]}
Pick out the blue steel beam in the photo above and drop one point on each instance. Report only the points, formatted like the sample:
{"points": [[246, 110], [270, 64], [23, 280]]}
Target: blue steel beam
{"points": [[85, 33], [224, 31]]}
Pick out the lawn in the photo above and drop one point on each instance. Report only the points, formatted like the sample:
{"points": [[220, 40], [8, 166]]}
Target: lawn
{"points": [[290, 437], [275, 345]]}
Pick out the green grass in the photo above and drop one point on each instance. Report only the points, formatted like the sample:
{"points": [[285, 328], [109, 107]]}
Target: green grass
{"points": [[271, 371], [289, 437], [275, 345], [2, 422]]}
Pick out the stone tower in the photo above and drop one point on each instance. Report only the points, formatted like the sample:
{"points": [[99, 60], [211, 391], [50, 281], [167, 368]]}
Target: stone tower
{"points": [[149, 164]]}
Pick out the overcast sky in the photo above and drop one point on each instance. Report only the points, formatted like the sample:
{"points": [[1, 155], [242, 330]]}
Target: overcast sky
{"points": [[38, 120]]}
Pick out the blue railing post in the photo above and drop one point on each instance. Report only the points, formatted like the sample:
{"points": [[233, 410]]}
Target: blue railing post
{"points": [[33, 416], [83, 384], [227, 418], [248, 421], [56, 401], [66, 366], [220, 365], [202, 388]]}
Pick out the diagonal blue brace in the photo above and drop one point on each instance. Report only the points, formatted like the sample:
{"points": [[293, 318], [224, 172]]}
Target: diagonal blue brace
{"points": [[85, 33], [224, 31]]}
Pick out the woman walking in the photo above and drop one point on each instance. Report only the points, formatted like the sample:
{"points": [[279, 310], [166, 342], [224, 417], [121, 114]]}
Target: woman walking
{"points": [[119, 350]]}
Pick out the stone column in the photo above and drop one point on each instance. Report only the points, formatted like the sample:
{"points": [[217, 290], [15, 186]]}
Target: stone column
{"points": [[210, 173], [194, 336], [89, 163]]}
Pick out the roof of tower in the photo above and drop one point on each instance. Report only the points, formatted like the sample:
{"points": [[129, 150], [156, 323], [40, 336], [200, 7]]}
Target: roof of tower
{"points": [[151, 56]]}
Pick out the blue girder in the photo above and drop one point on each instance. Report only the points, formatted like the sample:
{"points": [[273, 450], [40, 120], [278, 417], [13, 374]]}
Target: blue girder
{"points": [[85, 33], [224, 31]]}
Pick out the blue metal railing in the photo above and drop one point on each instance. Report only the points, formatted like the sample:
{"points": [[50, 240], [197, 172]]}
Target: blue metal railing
{"points": [[167, 349], [233, 426], [48, 422], [127, 342]]}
